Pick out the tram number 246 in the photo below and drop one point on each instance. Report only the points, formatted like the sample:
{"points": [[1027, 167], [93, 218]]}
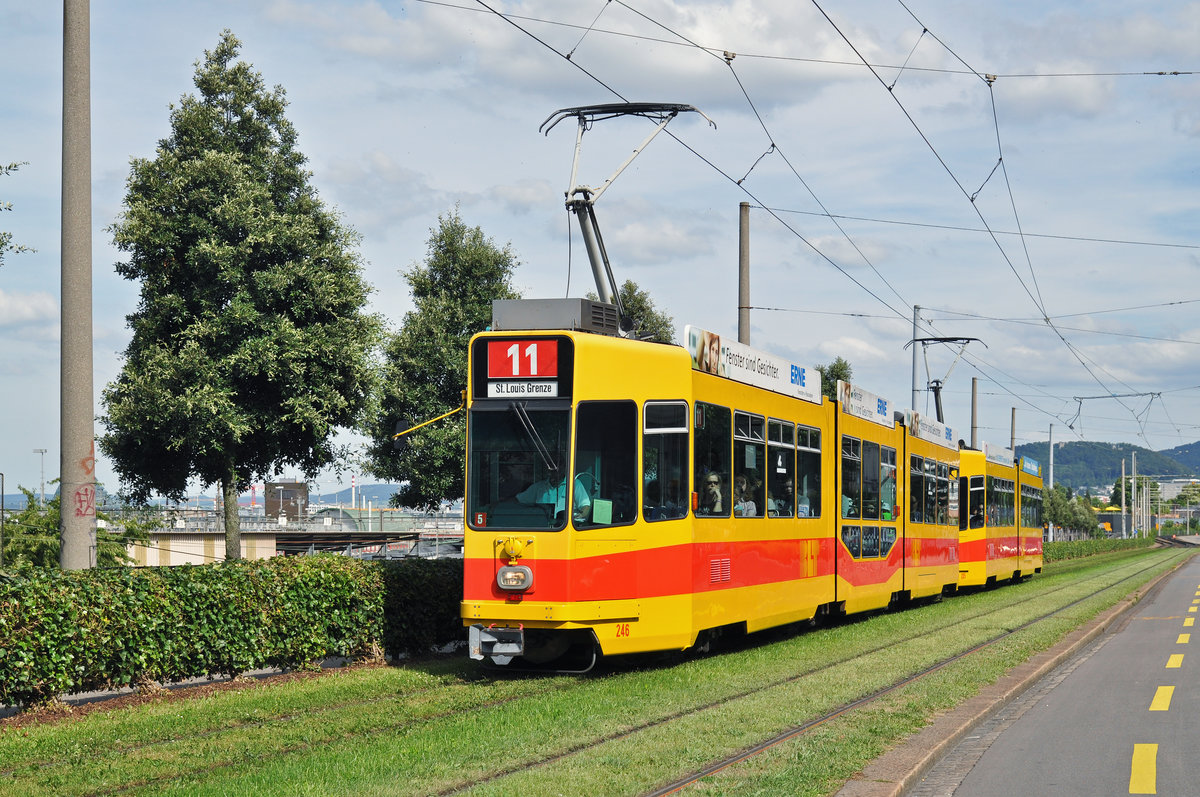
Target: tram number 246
{"points": [[622, 629]]}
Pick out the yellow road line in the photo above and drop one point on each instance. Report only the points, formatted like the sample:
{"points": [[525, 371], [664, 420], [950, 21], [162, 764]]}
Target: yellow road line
{"points": [[1175, 661], [1188, 622], [1162, 698], [1143, 774], [1183, 639]]}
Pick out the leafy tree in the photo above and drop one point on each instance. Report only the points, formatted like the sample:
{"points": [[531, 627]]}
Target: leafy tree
{"points": [[649, 323], [250, 345], [6, 244], [425, 363], [1067, 512], [1143, 483], [830, 374], [31, 536]]}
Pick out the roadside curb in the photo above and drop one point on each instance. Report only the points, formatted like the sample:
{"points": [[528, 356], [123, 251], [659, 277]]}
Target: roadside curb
{"points": [[902, 767]]}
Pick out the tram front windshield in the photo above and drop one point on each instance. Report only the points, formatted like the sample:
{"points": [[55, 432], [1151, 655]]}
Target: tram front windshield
{"points": [[518, 465]]}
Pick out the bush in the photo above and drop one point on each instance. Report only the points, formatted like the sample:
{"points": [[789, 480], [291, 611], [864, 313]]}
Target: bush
{"points": [[1077, 549], [421, 605], [77, 631]]}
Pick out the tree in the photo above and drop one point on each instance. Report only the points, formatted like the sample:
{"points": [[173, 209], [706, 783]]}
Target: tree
{"points": [[31, 536], [1072, 513], [830, 374], [250, 345], [649, 323], [1125, 486], [6, 244], [425, 363]]}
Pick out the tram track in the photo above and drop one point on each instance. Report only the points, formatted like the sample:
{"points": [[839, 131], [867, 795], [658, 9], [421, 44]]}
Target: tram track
{"points": [[862, 655], [874, 697]]}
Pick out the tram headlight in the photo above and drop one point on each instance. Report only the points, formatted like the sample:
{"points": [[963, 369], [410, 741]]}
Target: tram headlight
{"points": [[514, 578]]}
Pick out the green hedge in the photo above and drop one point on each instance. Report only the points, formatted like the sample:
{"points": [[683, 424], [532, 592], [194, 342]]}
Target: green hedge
{"points": [[1077, 549], [77, 631]]}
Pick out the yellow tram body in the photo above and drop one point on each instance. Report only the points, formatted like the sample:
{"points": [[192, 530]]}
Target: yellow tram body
{"points": [[1001, 533], [627, 496]]}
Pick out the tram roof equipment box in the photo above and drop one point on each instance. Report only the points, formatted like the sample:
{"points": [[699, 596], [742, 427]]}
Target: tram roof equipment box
{"points": [[580, 314]]}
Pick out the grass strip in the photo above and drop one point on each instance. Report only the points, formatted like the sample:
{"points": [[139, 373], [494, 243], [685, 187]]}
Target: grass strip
{"points": [[414, 731]]}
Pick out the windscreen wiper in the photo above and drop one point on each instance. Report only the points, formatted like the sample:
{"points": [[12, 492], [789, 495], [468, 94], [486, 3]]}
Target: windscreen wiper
{"points": [[535, 438]]}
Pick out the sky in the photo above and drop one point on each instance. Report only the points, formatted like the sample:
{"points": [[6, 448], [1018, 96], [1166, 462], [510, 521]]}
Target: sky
{"points": [[1027, 173]]}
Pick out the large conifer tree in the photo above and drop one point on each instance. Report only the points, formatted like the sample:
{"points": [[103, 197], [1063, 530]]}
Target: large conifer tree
{"points": [[251, 345]]}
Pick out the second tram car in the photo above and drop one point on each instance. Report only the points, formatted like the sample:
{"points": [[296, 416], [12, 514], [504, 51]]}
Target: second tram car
{"points": [[1001, 529], [625, 496]]}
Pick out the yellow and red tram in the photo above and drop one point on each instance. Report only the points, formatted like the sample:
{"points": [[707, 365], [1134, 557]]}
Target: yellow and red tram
{"points": [[1000, 535], [625, 496]]}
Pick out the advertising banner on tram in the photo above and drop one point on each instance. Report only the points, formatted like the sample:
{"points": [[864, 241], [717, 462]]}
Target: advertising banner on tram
{"points": [[733, 360]]}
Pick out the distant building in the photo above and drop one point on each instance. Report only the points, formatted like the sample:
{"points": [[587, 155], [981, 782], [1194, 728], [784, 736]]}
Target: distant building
{"points": [[286, 499]]}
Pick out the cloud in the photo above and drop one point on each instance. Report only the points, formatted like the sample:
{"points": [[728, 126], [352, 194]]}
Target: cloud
{"points": [[27, 310], [857, 351], [380, 191], [527, 196]]}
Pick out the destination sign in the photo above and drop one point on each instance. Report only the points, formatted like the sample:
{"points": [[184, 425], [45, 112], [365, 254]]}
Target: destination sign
{"points": [[1031, 466], [732, 360], [523, 388]]}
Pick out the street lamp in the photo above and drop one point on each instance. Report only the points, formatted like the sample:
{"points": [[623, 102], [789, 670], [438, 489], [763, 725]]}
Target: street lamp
{"points": [[42, 451]]}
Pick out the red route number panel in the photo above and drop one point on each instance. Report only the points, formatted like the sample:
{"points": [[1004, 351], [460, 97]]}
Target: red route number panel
{"points": [[522, 359]]}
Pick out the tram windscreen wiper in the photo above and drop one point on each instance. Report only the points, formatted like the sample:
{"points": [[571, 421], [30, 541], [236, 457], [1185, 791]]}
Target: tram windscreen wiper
{"points": [[535, 438]]}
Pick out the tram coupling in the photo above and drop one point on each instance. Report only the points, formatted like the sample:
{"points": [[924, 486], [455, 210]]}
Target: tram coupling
{"points": [[500, 644]]}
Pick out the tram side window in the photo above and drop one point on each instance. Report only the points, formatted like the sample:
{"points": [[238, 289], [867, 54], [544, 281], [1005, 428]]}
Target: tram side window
{"points": [[781, 468], [851, 477], [710, 471], [749, 458], [955, 510], [887, 538], [943, 493], [887, 486], [1031, 507], [604, 491], [870, 482], [664, 460], [976, 502], [808, 472], [931, 512], [1008, 501], [870, 542], [916, 489], [851, 538]]}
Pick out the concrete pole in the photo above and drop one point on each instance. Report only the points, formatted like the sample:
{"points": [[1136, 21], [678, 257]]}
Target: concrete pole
{"points": [[77, 451], [1012, 433], [1123, 532], [1133, 497], [916, 317], [1051, 525], [744, 273], [974, 412]]}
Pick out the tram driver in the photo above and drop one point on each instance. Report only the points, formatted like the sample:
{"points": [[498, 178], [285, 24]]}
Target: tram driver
{"points": [[553, 493]]}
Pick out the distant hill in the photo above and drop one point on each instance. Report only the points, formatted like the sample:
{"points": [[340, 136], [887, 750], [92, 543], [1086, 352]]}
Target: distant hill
{"points": [[1085, 464], [1187, 455]]}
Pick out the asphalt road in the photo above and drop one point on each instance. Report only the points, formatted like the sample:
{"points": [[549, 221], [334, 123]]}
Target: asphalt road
{"points": [[1110, 711]]}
